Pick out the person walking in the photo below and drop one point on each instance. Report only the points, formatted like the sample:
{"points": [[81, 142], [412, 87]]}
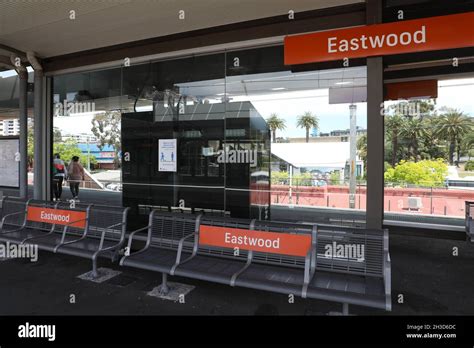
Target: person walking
{"points": [[75, 176], [59, 174]]}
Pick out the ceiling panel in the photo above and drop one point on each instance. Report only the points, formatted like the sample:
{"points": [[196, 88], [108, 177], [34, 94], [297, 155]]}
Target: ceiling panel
{"points": [[44, 26]]}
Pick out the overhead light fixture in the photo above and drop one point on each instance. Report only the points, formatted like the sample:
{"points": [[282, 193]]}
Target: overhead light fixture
{"points": [[344, 83], [144, 108], [278, 88]]}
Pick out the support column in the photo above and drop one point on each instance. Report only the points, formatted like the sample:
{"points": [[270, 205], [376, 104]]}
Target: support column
{"points": [[39, 135], [375, 128], [48, 136], [23, 105], [353, 155]]}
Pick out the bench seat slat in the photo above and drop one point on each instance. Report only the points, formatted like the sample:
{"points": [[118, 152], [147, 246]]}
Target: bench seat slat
{"points": [[348, 288], [210, 268], [84, 248], [153, 259], [272, 278], [19, 236]]}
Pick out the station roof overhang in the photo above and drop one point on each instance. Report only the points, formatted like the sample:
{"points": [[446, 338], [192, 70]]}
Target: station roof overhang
{"points": [[102, 31]]}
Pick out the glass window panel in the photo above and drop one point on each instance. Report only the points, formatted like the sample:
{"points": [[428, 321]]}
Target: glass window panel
{"points": [[429, 171]]}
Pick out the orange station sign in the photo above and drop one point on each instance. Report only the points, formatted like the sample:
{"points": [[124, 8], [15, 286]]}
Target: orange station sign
{"points": [[269, 242], [57, 216], [426, 34]]}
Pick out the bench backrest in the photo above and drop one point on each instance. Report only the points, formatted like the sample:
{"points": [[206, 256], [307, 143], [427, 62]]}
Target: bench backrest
{"points": [[101, 217], [166, 229], [33, 214], [12, 205], [46, 215], [351, 250], [261, 236], [338, 249]]}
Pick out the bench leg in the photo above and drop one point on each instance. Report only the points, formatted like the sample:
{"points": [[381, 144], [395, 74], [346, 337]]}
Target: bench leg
{"points": [[163, 288], [345, 309], [95, 274]]}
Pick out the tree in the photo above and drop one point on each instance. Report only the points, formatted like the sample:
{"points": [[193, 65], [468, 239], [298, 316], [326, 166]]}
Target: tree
{"points": [[57, 136], [307, 121], [468, 144], [469, 166], [362, 148], [106, 127], [393, 127], [413, 129], [424, 173], [452, 125], [275, 123], [468, 140], [68, 149]]}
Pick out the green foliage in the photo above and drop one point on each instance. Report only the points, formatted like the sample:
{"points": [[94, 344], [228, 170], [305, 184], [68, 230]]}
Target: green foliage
{"points": [[469, 166], [362, 147], [427, 135], [303, 179], [283, 178], [69, 149], [335, 178], [31, 145], [453, 126], [423, 173], [106, 128], [279, 177]]}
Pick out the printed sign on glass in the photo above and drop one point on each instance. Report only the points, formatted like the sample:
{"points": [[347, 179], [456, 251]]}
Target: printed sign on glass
{"points": [[167, 155]]}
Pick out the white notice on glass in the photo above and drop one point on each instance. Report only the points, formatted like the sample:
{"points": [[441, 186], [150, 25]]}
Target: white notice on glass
{"points": [[167, 155], [9, 162]]}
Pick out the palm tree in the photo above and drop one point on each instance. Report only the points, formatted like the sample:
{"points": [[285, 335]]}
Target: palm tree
{"points": [[275, 123], [307, 121], [468, 144], [452, 126], [413, 129], [393, 128]]}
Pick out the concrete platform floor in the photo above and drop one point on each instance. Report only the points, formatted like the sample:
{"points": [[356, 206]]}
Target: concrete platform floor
{"points": [[424, 271]]}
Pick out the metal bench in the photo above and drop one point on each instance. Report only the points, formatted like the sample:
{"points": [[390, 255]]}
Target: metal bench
{"points": [[166, 233], [91, 230], [180, 244], [469, 220], [15, 227]]}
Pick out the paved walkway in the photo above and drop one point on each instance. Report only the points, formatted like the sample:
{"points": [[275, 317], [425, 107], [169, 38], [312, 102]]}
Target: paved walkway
{"points": [[431, 280]]}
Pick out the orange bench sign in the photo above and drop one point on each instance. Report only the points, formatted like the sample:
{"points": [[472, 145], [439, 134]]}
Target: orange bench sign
{"points": [[269, 242], [57, 216]]}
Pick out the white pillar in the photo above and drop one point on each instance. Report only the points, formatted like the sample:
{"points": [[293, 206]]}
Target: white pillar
{"points": [[353, 153]]}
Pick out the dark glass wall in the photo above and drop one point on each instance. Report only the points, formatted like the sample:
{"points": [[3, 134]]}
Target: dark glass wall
{"points": [[230, 158]]}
